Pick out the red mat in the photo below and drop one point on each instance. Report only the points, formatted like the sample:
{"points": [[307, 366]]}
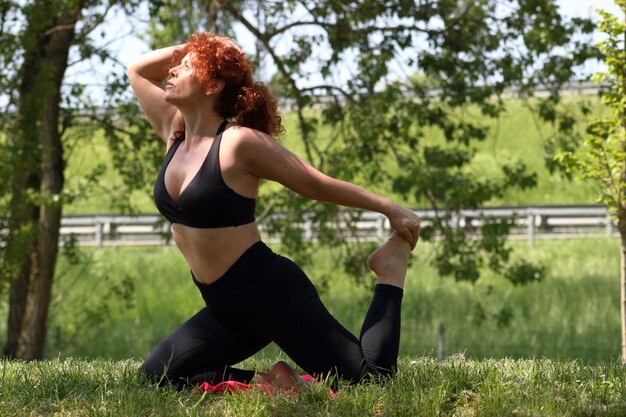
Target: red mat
{"points": [[234, 387]]}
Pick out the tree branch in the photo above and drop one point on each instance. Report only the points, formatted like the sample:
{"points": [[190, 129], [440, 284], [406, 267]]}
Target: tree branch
{"points": [[87, 29], [283, 70], [58, 28], [329, 87]]}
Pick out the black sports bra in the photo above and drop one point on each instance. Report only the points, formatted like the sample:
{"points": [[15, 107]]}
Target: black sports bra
{"points": [[206, 202]]}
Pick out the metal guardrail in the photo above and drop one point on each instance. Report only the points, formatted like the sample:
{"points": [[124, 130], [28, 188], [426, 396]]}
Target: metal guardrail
{"points": [[526, 223]]}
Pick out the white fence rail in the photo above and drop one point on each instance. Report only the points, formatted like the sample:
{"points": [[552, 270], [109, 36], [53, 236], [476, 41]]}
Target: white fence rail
{"points": [[527, 223]]}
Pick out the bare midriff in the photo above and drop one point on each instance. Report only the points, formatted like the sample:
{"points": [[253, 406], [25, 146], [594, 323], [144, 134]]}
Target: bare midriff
{"points": [[211, 252]]}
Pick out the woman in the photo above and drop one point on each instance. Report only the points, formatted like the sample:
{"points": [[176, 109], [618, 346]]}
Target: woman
{"points": [[207, 188]]}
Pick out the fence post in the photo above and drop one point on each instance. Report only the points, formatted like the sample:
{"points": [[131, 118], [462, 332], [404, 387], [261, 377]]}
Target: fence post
{"points": [[609, 226], [454, 220], [109, 230], [308, 230], [381, 226], [530, 220], [99, 230]]}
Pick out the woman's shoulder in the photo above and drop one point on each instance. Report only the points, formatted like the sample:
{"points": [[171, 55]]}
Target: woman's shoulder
{"points": [[249, 144], [244, 136]]}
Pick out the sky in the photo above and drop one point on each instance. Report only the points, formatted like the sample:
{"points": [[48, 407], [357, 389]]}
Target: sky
{"points": [[581, 8], [124, 43], [585, 8]]}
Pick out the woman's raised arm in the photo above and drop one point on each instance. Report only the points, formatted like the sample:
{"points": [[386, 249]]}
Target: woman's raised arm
{"points": [[264, 158], [146, 74]]}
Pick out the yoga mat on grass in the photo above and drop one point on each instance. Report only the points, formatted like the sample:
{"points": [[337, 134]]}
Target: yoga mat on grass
{"points": [[236, 387]]}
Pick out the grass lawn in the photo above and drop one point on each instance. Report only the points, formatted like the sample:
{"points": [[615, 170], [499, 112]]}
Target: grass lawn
{"points": [[423, 387]]}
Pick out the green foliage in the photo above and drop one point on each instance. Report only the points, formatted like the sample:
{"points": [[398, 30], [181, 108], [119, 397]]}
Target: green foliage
{"points": [[26, 30], [379, 129], [172, 21], [379, 123], [280, 86], [39, 39], [602, 156]]}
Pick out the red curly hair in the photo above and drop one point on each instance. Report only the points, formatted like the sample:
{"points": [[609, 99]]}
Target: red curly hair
{"points": [[218, 58]]}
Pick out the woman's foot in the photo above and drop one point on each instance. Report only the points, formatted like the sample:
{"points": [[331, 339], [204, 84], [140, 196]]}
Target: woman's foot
{"points": [[390, 261], [280, 376]]}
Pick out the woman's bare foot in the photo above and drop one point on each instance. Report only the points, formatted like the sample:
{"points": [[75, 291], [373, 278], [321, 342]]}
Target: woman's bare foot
{"points": [[390, 261], [280, 376]]}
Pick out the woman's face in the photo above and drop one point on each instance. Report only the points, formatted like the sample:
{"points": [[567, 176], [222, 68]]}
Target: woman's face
{"points": [[183, 86]]}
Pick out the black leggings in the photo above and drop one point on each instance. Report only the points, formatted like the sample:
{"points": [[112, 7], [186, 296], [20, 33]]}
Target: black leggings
{"points": [[265, 298]]}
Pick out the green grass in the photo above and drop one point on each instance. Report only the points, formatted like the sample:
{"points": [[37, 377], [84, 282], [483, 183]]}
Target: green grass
{"points": [[423, 387], [129, 298], [515, 134], [519, 134]]}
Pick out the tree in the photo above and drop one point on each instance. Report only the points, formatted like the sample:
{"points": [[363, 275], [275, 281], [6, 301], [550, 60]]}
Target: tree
{"points": [[602, 156], [472, 50], [34, 49]]}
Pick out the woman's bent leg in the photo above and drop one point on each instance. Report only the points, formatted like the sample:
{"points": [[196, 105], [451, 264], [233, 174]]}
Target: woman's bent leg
{"points": [[202, 349], [320, 345], [302, 326], [380, 334]]}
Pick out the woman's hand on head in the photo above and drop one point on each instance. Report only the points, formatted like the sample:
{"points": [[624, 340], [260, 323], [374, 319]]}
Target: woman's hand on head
{"points": [[406, 223]]}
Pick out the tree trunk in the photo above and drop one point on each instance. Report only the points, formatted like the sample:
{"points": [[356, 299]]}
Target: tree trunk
{"points": [[20, 242], [621, 218], [623, 296], [43, 70]]}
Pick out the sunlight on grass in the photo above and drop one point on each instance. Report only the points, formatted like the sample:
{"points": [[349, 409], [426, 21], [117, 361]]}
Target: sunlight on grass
{"points": [[423, 387]]}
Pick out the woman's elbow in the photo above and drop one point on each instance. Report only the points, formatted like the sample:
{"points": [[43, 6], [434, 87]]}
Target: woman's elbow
{"points": [[133, 67]]}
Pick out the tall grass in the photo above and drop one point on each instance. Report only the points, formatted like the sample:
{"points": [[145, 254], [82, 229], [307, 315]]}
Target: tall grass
{"points": [[129, 298]]}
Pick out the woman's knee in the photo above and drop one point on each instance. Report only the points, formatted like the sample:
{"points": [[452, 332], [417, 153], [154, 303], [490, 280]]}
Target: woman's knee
{"points": [[378, 374], [154, 371]]}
